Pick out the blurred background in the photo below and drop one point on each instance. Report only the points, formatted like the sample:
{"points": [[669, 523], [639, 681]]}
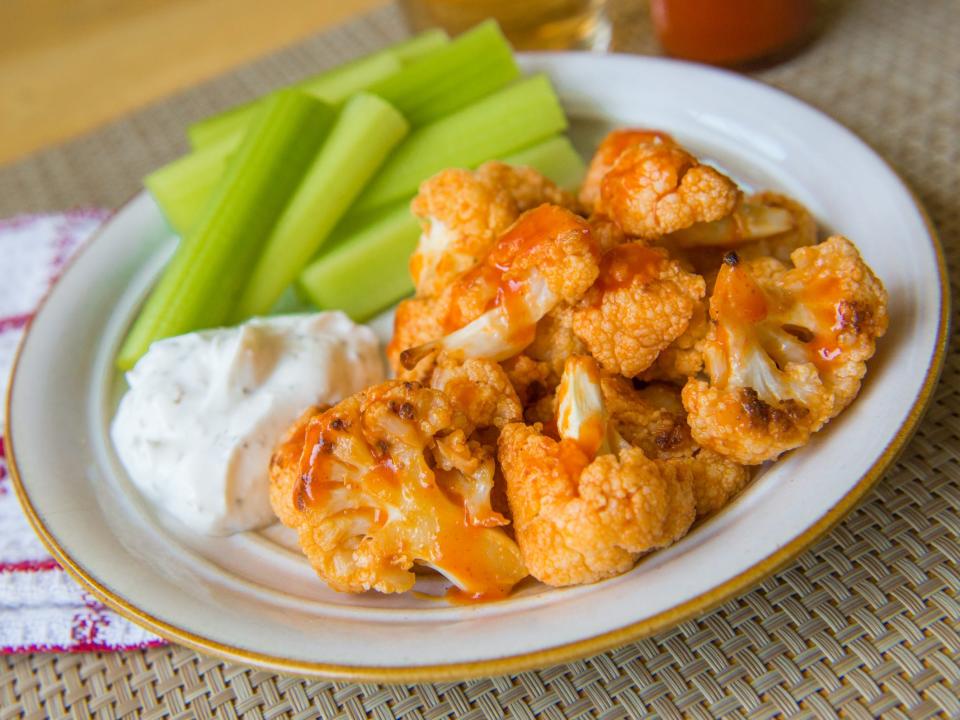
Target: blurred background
{"points": [[69, 66]]}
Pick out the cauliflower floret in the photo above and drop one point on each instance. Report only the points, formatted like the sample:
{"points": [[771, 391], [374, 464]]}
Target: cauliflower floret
{"points": [[462, 214], [642, 301], [530, 378], [579, 521], [384, 480], [547, 257], [527, 187], [657, 187], [683, 357], [580, 517], [786, 350], [417, 320], [535, 383], [654, 420], [607, 233], [606, 155], [555, 339], [716, 480], [780, 245], [766, 224], [480, 388]]}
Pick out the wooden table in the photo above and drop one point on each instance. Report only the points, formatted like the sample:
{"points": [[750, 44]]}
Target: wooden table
{"points": [[68, 66]]}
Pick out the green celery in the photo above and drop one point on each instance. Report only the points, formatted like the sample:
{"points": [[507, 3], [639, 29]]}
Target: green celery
{"points": [[331, 86], [452, 76], [183, 187], [419, 45], [440, 79], [364, 269], [366, 130], [502, 123], [556, 158], [201, 283], [226, 124]]}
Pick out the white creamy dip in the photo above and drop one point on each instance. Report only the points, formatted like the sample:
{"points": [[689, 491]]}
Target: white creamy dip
{"points": [[205, 410]]}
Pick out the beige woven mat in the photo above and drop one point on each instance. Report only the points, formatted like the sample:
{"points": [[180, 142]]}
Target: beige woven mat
{"points": [[864, 624]]}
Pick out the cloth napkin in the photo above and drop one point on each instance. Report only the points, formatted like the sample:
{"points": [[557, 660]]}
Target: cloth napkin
{"points": [[41, 608]]}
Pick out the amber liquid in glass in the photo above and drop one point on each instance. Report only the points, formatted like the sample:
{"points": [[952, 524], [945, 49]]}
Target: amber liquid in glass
{"points": [[528, 24]]}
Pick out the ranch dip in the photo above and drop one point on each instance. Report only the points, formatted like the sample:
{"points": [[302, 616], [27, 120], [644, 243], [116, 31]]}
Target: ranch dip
{"points": [[204, 410]]}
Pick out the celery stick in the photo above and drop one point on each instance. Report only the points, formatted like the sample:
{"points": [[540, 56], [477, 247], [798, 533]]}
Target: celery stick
{"points": [[229, 123], [200, 285], [331, 86], [182, 187], [502, 123], [556, 158], [444, 78], [366, 130], [412, 49], [364, 270], [451, 77]]}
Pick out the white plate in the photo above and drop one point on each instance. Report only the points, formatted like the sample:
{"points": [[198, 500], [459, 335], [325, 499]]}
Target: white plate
{"points": [[249, 599]]}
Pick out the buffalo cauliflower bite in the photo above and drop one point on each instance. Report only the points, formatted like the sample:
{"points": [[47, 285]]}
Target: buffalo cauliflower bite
{"points": [[786, 351], [607, 233], [766, 224], [527, 187], [462, 213], [417, 321], [555, 340], [606, 155], [547, 257], [535, 383], [580, 516], [642, 301], [461, 216], [682, 358], [750, 220], [780, 245], [657, 187], [653, 419], [387, 479], [478, 387]]}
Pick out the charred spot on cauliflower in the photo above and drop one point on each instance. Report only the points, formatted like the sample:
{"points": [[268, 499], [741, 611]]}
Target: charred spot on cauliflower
{"points": [[654, 420], [786, 351], [478, 387]]}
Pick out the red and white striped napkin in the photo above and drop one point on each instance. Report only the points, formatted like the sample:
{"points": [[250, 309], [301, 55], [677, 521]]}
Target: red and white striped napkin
{"points": [[41, 608]]}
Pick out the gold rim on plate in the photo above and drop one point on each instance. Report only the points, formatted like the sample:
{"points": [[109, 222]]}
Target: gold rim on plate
{"points": [[524, 661]]}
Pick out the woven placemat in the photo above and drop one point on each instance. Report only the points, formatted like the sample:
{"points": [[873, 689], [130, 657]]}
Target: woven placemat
{"points": [[863, 624]]}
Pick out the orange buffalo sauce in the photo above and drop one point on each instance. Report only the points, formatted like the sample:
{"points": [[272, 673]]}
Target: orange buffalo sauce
{"points": [[737, 296], [825, 299], [315, 459], [627, 263], [497, 279], [572, 458], [731, 32]]}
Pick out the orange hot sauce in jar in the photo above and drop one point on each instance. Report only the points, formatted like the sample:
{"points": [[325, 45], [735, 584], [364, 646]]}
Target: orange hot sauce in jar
{"points": [[732, 32]]}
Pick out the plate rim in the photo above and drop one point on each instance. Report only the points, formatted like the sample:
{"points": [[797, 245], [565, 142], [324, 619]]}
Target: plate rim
{"points": [[566, 652]]}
